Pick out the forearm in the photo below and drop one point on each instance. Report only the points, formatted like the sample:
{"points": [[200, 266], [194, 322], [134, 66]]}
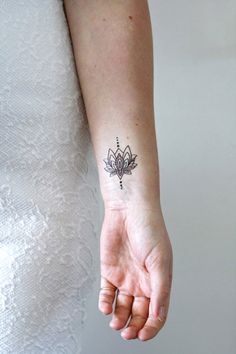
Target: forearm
{"points": [[112, 43]]}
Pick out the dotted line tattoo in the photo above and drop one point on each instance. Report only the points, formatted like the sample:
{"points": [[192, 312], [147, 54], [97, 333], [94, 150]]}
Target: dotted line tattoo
{"points": [[120, 162]]}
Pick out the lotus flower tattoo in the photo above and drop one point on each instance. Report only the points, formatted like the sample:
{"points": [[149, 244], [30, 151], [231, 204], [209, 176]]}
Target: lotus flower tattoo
{"points": [[120, 162]]}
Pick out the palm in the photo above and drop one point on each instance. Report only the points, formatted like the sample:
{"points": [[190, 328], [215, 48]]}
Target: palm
{"points": [[132, 242]]}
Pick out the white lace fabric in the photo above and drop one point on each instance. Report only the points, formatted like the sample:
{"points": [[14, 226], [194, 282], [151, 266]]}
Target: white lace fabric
{"points": [[48, 184]]}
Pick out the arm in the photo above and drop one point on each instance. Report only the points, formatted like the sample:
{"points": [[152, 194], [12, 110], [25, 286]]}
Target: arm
{"points": [[112, 43], [113, 51]]}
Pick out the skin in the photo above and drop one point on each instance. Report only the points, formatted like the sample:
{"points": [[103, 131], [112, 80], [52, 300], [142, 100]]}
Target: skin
{"points": [[112, 43]]}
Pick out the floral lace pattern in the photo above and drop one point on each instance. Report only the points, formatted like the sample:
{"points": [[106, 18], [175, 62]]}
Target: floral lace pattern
{"points": [[48, 184]]}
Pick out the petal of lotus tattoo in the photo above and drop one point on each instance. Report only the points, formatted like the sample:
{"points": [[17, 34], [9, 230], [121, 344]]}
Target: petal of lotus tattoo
{"points": [[120, 162]]}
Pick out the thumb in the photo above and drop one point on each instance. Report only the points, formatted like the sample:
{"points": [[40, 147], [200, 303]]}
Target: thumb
{"points": [[160, 277]]}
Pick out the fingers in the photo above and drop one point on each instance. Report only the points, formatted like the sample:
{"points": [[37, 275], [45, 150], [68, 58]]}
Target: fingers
{"points": [[106, 296], [122, 310], [146, 316], [138, 318]]}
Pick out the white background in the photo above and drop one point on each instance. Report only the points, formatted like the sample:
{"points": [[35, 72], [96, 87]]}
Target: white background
{"points": [[195, 103]]}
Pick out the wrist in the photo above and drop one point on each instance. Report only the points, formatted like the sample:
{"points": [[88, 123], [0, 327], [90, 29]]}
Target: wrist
{"points": [[131, 195], [130, 176]]}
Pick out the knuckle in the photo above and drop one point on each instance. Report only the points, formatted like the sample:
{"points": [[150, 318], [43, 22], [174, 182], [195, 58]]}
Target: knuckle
{"points": [[157, 322], [106, 297], [152, 325], [139, 317], [120, 307], [162, 321]]}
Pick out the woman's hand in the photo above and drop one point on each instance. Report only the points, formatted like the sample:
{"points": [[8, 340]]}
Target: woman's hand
{"points": [[136, 264], [117, 86]]}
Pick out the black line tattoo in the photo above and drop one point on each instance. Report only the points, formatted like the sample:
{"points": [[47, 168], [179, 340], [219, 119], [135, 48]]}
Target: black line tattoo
{"points": [[120, 162]]}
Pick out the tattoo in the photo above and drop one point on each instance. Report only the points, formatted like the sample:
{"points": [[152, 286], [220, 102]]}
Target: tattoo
{"points": [[120, 162]]}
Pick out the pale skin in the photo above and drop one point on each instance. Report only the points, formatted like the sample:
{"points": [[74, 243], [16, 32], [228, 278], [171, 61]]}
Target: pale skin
{"points": [[112, 42]]}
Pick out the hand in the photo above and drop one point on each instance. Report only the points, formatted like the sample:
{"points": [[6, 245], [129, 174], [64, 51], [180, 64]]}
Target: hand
{"points": [[136, 269]]}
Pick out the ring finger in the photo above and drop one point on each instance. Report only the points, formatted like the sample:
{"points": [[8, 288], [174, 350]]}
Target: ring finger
{"points": [[138, 317], [122, 310]]}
